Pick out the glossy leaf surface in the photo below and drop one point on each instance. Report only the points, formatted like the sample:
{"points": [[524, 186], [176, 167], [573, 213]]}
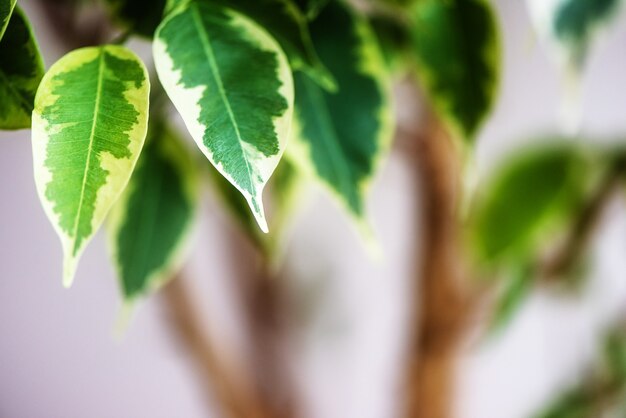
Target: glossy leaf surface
{"points": [[339, 137], [89, 126], [21, 70], [232, 85]]}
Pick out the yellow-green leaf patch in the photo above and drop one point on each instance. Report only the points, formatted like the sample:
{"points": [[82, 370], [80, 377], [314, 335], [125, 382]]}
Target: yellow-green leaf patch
{"points": [[89, 126], [21, 70], [232, 85]]}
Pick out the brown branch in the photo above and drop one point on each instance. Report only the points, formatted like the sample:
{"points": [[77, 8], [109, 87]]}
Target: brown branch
{"points": [[443, 305], [264, 303], [585, 224], [234, 393]]}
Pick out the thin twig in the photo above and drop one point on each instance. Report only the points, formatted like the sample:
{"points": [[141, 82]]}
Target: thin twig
{"points": [[584, 226]]}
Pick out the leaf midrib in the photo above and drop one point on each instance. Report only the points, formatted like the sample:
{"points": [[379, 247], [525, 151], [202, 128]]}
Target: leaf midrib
{"points": [[208, 50], [92, 135]]}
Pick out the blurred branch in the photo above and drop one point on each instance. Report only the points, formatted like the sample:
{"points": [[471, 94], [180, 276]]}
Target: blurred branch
{"points": [[234, 394], [263, 301], [584, 226], [444, 306], [72, 26]]}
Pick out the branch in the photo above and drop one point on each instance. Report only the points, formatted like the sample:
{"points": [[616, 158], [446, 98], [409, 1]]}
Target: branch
{"points": [[584, 226], [444, 306], [235, 395]]}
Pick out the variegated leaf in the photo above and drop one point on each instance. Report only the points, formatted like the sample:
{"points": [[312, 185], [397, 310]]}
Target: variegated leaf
{"points": [[6, 8], [287, 24], [569, 26], [339, 138], [231, 83], [149, 224], [21, 70], [458, 50], [89, 125]]}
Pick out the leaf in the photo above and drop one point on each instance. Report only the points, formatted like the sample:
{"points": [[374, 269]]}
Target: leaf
{"points": [[339, 138], [89, 125], [6, 8], [458, 51], [569, 26], [516, 288], [232, 85], [140, 16], [525, 197], [149, 223], [21, 70]]}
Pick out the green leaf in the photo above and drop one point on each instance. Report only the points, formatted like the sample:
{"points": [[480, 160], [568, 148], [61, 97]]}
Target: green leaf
{"points": [[149, 223], [140, 16], [458, 51], [89, 125], [21, 70], [339, 138], [514, 292], [571, 25], [525, 198], [6, 8], [232, 85]]}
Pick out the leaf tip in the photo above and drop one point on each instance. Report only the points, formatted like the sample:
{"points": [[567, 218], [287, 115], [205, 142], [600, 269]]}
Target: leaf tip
{"points": [[69, 270], [256, 205]]}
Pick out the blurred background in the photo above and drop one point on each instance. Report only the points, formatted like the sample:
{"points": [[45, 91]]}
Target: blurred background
{"points": [[60, 356]]}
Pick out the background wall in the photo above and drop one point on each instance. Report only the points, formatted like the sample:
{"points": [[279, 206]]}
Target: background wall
{"points": [[59, 358]]}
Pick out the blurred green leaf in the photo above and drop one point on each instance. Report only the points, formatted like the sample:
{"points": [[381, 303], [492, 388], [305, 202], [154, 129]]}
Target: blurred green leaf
{"points": [[338, 138], [602, 392], [571, 25], [394, 38], [140, 16], [6, 9], [149, 223], [515, 290], [21, 70], [529, 193], [458, 51]]}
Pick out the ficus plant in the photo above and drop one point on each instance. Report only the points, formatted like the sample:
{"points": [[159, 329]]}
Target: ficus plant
{"points": [[279, 93]]}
